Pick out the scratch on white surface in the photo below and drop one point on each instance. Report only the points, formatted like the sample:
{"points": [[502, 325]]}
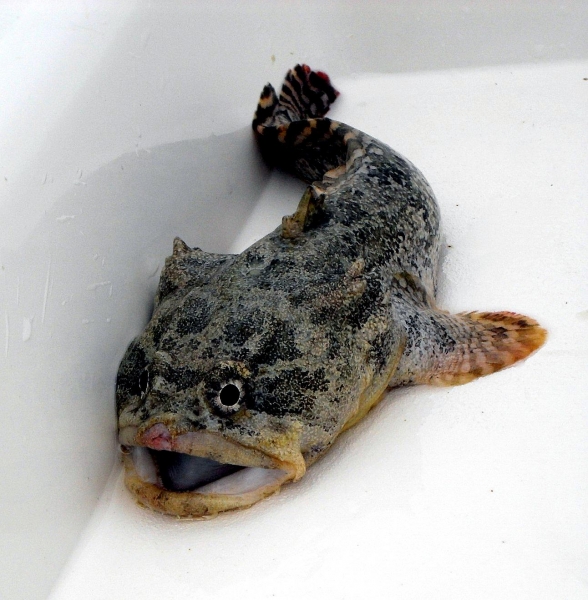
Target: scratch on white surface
{"points": [[65, 218], [17, 290], [27, 328], [7, 327], [44, 179], [137, 149], [46, 293], [94, 286], [86, 321]]}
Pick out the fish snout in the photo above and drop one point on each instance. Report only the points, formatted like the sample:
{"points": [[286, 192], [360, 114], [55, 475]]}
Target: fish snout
{"points": [[157, 437]]}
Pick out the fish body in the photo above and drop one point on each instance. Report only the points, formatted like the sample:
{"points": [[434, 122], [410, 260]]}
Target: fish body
{"points": [[253, 364]]}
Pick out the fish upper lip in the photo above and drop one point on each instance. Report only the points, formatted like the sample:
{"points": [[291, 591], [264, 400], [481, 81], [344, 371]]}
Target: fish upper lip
{"points": [[204, 444]]}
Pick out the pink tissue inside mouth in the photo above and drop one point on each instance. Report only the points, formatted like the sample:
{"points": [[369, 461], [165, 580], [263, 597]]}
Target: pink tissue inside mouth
{"points": [[157, 437]]}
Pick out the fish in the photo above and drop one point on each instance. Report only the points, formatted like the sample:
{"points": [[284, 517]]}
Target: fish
{"points": [[253, 364]]}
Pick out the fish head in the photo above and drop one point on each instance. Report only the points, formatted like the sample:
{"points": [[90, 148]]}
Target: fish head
{"points": [[220, 403]]}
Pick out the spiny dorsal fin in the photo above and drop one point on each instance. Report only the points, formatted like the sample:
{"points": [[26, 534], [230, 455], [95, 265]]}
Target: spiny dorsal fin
{"points": [[309, 209], [485, 342]]}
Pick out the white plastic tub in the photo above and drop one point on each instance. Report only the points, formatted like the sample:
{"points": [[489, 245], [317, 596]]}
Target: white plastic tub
{"points": [[126, 124]]}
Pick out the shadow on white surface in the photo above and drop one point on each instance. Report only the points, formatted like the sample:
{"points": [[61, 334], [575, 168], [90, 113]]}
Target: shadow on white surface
{"points": [[74, 296]]}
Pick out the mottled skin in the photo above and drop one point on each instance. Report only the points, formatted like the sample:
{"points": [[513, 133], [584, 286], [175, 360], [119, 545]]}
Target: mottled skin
{"points": [[317, 319]]}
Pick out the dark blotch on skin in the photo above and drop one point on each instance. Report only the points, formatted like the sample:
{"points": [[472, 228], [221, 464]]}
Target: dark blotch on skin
{"points": [[279, 343], [195, 316], [128, 381], [239, 332], [160, 325], [184, 378], [291, 391]]}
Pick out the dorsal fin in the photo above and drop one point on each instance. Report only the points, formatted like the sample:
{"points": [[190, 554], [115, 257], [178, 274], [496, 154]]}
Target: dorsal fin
{"points": [[310, 210], [187, 267]]}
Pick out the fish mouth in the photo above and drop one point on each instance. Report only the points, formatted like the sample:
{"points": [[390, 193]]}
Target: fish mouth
{"points": [[197, 474]]}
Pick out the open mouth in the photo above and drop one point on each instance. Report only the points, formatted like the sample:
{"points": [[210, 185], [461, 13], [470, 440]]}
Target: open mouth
{"points": [[178, 472], [197, 474]]}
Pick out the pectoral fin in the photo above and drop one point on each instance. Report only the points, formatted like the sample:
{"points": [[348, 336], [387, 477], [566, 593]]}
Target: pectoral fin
{"points": [[445, 349]]}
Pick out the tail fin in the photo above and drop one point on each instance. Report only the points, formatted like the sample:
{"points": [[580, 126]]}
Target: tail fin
{"points": [[291, 131], [305, 94]]}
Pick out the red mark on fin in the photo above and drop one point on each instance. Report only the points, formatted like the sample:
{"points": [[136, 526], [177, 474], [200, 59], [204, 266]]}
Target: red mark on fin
{"points": [[326, 79], [324, 76]]}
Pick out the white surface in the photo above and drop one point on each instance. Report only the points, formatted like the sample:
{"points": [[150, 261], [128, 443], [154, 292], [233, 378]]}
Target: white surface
{"points": [[107, 113]]}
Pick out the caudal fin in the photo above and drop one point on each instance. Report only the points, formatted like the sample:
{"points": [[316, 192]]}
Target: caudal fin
{"points": [[305, 94]]}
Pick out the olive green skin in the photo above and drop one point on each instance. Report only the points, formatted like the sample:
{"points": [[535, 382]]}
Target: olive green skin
{"points": [[312, 323]]}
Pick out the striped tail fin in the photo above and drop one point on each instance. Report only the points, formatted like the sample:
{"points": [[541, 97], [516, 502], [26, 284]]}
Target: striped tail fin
{"points": [[305, 94], [292, 131]]}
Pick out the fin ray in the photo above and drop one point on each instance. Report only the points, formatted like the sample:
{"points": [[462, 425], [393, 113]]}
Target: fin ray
{"points": [[495, 340]]}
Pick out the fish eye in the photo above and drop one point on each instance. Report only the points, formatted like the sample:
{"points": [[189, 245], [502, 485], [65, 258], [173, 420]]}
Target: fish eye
{"points": [[228, 399], [230, 394]]}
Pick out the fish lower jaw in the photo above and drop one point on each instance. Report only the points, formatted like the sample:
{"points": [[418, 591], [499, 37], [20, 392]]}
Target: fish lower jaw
{"points": [[239, 489], [199, 474]]}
